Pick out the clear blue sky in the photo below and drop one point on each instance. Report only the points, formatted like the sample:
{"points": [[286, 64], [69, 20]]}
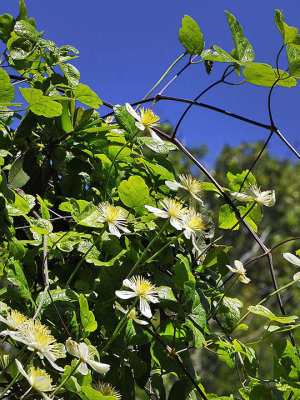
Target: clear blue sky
{"points": [[125, 46]]}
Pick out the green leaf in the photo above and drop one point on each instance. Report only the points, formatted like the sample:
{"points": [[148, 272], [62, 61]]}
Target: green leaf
{"points": [[17, 177], [18, 279], [164, 148], [91, 394], [181, 389], [227, 218], [158, 384], [87, 317], [243, 49], [265, 312], [293, 56], [44, 208], [71, 73], [217, 259], [288, 33], [190, 36], [125, 120], [265, 75], [18, 207], [6, 26], [230, 313], [86, 96], [182, 272], [40, 104], [134, 193], [219, 55], [40, 226], [7, 90], [287, 362], [236, 180], [261, 392], [193, 304], [23, 11], [25, 30]]}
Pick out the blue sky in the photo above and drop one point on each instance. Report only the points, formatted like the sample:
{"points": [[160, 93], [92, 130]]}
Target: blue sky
{"points": [[125, 46]]}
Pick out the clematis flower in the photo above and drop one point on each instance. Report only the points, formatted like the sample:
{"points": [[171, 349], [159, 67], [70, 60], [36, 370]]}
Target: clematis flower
{"points": [[240, 270], [81, 351], [173, 210], [141, 288], [14, 319], [36, 336], [293, 260], [38, 380], [106, 389], [145, 121], [194, 226], [133, 315], [188, 185], [267, 198], [115, 217]]}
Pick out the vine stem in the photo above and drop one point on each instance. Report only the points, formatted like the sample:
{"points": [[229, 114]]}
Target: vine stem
{"points": [[164, 247], [82, 259], [113, 163], [146, 249], [119, 327], [176, 358], [12, 359], [214, 311], [73, 370], [164, 75], [18, 375]]}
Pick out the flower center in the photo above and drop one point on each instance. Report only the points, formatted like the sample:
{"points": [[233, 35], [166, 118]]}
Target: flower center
{"points": [[143, 287], [148, 118]]}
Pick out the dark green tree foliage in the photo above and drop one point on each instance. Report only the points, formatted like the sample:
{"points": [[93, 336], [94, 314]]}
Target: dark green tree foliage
{"points": [[111, 276]]}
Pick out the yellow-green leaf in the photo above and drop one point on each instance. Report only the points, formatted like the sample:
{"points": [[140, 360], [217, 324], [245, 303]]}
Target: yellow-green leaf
{"points": [[190, 36], [265, 75], [40, 104], [86, 96]]}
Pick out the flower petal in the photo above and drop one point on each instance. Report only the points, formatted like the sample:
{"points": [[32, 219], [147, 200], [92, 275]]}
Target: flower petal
{"points": [[99, 367], [131, 111], [158, 212], [292, 258], [173, 185], [83, 369], [114, 230], [145, 308], [125, 294], [231, 269], [174, 222], [155, 137]]}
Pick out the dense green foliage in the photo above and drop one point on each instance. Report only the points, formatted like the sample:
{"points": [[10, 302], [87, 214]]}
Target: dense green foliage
{"points": [[91, 206]]}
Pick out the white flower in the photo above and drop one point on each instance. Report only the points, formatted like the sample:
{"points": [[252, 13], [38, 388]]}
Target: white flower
{"points": [[14, 320], [240, 270], [115, 217], [188, 185], [194, 226], [106, 389], [141, 288], [38, 379], [145, 121], [294, 260], [37, 336], [81, 351], [133, 314], [174, 210], [267, 198]]}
